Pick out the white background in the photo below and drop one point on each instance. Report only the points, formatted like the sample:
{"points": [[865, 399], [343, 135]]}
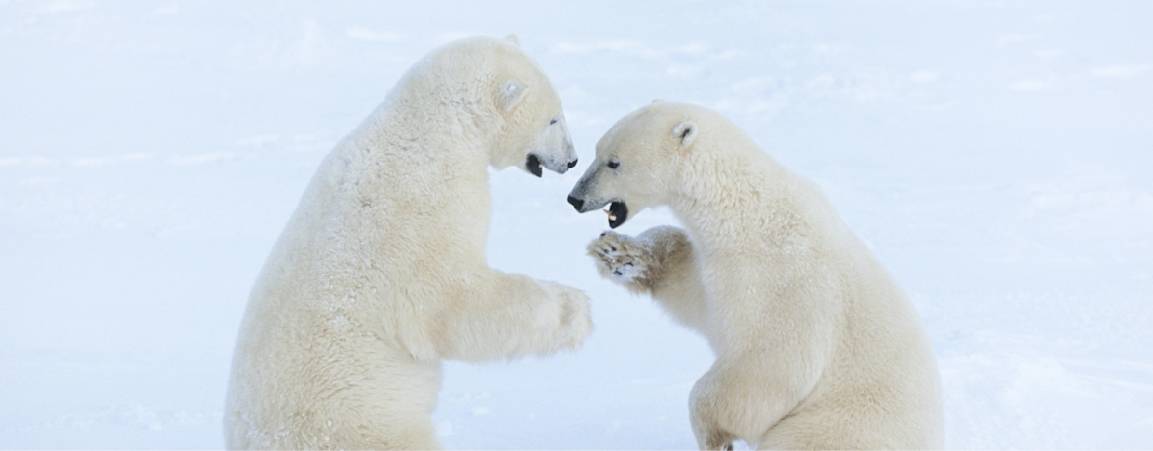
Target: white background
{"points": [[996, 155]]}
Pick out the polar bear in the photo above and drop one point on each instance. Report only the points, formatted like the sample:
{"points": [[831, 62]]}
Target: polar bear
{"points": [[815, 346], [381, 273]]}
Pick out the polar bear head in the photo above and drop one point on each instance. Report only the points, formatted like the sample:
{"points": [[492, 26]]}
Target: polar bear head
{"points": [[533, 132], [639, 161]]}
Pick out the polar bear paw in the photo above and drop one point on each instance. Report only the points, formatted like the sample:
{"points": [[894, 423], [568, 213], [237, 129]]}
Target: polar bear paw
{"points": [[574, 322], [623, 259]]}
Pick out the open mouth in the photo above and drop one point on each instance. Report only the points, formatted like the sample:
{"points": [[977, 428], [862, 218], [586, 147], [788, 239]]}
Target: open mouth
{"points": [[533, 165], [618, 213]]}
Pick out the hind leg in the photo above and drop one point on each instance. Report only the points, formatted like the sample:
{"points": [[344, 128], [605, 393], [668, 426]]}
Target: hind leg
{"points": [[705, 412], [411, 430], [415, 436], [740, 398]]}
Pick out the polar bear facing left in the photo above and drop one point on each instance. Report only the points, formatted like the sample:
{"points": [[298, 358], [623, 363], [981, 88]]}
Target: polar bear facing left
{"points": [[816, 346], [380, 273]]}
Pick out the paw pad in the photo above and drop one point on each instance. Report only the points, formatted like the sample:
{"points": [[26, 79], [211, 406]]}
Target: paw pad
{"points": [[619, 258]]}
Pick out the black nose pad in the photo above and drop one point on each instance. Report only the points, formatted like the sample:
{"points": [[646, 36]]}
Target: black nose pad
{"points": [[576, 203], [572, 164]]}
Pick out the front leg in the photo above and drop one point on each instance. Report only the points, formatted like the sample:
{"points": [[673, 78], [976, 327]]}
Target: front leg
{"points": [[660, 262], [511, 315]]}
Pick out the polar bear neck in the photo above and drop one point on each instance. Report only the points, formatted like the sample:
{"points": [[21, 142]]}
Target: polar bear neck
{"points": [[439, 116], [436, 107], [411, 139], [754, 194], [423, 152]]}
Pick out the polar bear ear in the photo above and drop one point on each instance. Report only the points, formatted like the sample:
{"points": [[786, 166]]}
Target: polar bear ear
{"points": [[686, 132], [511, 93], [513, 39]]}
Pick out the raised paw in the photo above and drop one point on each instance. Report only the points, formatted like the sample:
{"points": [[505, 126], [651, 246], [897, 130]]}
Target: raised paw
{"points": [[623, 259]]}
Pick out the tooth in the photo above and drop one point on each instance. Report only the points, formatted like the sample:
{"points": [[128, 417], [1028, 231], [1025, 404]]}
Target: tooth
{"points": [[612, 217]]}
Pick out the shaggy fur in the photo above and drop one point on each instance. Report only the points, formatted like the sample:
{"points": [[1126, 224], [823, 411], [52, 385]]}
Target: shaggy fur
{"points": [[381, 272], [815, 345]]}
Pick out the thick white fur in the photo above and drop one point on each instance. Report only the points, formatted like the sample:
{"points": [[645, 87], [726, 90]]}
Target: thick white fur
{"points": [[381, 273], [815, 346]]}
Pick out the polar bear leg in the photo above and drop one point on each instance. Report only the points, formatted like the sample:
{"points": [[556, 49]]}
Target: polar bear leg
{"points": [[420, 435], [659, 262], [705, 410], [512, 315], [745, 394]]}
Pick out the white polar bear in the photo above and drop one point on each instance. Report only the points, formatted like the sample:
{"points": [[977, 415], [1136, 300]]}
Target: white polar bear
{"points": [[815, 346], [381, 272]]}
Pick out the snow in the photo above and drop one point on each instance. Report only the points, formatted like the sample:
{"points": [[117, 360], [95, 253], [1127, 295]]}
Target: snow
{"points": [[997, 155]]}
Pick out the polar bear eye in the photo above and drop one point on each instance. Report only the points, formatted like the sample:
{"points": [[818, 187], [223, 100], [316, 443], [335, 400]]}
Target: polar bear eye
{"points": [[552, 122], [613, 164]]}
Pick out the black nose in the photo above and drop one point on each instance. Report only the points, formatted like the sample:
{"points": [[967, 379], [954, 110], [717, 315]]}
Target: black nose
{"points": [[576, 203], [572, 164]]}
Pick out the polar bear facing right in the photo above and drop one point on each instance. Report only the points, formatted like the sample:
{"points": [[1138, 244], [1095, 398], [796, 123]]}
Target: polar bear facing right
{"points": [[382, 274], [815, 346]]}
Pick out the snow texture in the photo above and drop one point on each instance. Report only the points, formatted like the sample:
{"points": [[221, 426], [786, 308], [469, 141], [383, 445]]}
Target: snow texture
{"points": [[996, 154]]}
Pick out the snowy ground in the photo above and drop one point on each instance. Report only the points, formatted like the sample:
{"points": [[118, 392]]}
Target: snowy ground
{"points": [[997, 155]]}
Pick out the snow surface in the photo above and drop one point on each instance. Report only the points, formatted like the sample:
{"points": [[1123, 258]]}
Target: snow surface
{"points": [[997, 155]]}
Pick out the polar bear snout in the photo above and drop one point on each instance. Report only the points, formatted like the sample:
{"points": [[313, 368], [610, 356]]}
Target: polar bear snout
{"points": [[617, 210], [576, 203], [552, 149], [582, 203], [533, 164]]}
